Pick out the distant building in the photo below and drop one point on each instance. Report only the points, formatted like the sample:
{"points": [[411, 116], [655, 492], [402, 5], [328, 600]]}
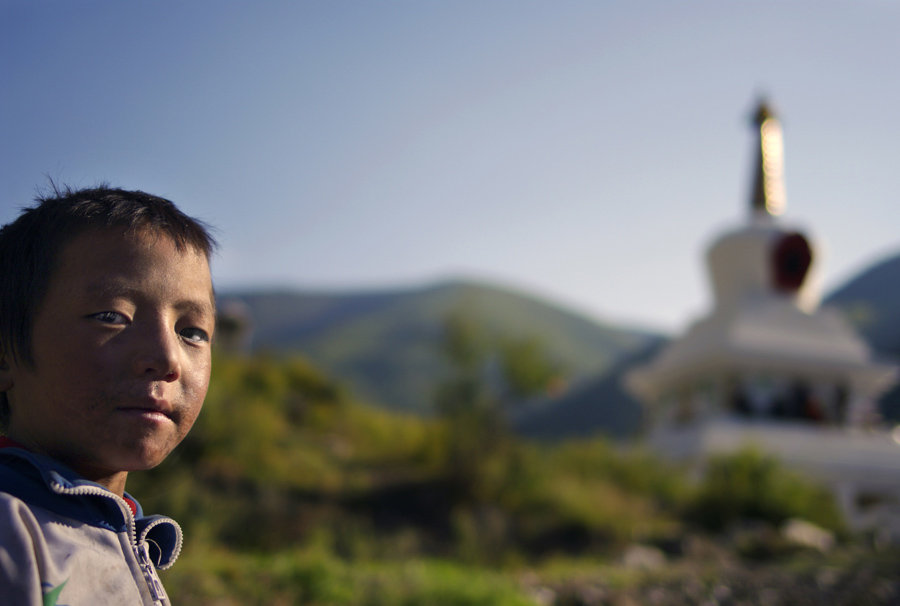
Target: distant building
{"points": [[234, 326], [769, 366]]}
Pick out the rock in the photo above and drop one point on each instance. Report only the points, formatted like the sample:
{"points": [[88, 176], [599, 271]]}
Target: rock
{"points": [[807, 534], [592, 595], [543, 596], [643, 557]]}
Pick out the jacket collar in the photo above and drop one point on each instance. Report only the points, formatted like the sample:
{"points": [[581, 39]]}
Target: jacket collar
{"points": [[42, 481]]}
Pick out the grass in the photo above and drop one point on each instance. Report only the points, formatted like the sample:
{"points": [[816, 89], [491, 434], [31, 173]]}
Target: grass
{"points": [[312, 576]]}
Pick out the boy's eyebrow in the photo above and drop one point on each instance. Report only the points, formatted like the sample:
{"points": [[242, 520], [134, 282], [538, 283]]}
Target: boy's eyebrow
{"points": [[109, 288], [196, 307]]}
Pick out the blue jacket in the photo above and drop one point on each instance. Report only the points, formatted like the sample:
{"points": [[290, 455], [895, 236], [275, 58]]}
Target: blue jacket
{"points": [[67, 541]]}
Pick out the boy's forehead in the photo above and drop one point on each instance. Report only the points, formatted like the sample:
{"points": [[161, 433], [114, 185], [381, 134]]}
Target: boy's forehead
{"points": [[100, 255], [127, 240], [138, 238]]}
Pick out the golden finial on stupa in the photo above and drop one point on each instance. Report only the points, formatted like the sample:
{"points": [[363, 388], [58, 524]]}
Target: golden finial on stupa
{"points": [[768, 186]]}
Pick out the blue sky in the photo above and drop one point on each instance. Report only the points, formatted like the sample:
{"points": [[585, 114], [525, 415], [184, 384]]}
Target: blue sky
{"points": [[586, 152]]}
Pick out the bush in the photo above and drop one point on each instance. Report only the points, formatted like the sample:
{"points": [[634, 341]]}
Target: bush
{"points": [[751, 485]]}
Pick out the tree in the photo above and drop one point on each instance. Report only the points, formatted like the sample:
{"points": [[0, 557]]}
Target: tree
{"points": [[527, 369], [485, 376]]}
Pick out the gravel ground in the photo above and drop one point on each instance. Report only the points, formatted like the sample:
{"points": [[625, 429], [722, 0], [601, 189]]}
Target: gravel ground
{"points": [[745, 588], [713, 575]]}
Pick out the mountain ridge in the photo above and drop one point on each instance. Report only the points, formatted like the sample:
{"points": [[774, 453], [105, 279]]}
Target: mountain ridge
{"points": [[871, 303], [385, 343]]}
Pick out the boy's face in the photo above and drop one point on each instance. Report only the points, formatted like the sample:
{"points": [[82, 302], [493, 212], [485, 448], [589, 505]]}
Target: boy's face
{"points": [[121, 346]]}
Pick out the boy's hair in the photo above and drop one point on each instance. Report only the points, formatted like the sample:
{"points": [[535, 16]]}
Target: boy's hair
{"points": [[30, 247]]}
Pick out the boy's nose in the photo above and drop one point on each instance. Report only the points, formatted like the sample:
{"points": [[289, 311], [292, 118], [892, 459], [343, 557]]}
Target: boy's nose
{"points": [[159, 355]]}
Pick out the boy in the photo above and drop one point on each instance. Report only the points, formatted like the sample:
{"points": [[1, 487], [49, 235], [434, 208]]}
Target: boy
{"points": [[106, 320]]}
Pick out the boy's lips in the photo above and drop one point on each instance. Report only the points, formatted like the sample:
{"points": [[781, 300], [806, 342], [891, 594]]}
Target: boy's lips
{"points": [[152, 407]]}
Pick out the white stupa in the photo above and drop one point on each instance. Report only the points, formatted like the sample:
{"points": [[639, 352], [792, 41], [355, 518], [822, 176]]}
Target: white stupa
{"points": [[768, 365]]}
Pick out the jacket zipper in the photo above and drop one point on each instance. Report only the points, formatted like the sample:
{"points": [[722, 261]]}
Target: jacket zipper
{"points": [[141, 550]]}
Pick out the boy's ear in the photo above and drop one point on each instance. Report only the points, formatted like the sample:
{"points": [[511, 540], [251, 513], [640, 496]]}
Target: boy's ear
{"points": [[6, 380]]}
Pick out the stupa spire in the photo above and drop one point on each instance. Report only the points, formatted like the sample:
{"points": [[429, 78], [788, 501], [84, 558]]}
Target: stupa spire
{"points": [[768, 198]]}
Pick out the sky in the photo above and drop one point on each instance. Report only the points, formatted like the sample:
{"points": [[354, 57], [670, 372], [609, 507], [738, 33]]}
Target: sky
{"points": [[584, 152]]}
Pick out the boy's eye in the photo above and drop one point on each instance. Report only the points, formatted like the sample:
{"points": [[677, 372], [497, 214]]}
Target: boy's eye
{"points": [[110, 317], [197, 335]]}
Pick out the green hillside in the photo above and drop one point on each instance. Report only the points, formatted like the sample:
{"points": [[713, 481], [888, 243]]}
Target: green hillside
{"points": [[291, 492], [385, 344]]}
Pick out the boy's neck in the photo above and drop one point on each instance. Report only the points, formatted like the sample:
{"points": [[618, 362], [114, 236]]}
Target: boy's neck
{"points": [[115, 483], [6, 442]]}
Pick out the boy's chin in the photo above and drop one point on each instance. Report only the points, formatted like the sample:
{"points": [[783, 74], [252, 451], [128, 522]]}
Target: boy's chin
{"points": [[144, 459], [105, 469]]}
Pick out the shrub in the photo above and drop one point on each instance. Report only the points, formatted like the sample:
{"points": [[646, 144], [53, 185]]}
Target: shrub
{"points": [[751, 485]]}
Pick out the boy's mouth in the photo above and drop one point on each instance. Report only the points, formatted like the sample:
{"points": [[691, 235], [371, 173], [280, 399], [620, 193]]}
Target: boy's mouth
{"points": [[154, 409]]}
